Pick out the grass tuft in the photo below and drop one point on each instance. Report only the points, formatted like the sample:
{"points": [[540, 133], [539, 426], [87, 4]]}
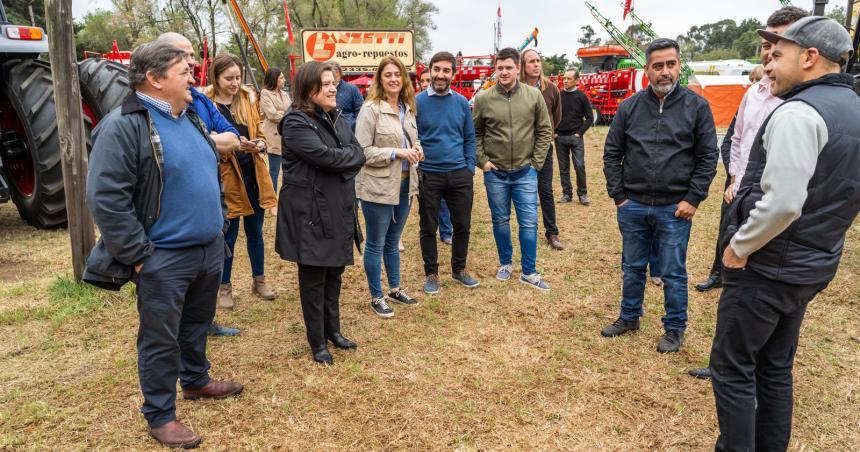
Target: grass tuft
{"points": [[66, 298]]}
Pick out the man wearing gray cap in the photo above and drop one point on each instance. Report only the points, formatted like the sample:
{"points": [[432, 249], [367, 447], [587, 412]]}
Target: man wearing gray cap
{"points": [[785, 231]]}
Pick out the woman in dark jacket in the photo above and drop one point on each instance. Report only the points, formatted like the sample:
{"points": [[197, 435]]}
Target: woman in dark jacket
{"points": [[316, 208]]}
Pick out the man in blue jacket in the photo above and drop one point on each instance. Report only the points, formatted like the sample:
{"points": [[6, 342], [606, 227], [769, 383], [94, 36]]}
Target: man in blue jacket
{"points": [[349, 98], [155, 193], [659, 159], [225, 136]]}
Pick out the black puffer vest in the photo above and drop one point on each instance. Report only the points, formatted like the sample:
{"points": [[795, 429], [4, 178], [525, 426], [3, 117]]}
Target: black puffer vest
{"points": [[808, 251]]}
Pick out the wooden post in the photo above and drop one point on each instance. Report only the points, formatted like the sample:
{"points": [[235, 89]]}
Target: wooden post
{"points": [[70, 127]]}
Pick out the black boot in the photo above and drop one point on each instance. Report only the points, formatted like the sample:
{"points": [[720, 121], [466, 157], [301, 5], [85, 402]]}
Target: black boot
{"points": [[322, 355], [701, 372], [713, 282], [341, 342]]}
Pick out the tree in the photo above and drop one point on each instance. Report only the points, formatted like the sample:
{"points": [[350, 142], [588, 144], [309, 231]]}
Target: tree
{"points": [[747, 45], [98, 30], [132, 22], [20, 12], [635, 32], [589, 37], [137, 18], [417, 16], [555, 64], [725, 35], [837, 14]]}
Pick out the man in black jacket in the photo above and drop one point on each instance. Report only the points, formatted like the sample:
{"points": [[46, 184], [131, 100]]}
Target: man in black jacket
{"points": [[576, 118], [154, 191], [659, 159], [785, 231]]}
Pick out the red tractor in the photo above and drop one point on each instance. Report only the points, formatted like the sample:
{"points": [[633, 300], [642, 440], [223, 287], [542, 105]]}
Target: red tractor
{"points": [[30, 172], [608, 76], [472, 72]]}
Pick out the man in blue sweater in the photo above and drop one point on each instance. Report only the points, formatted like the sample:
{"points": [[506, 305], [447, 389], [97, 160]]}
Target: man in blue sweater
{"points": [[225, 136], [447, 134], [155, 193]]}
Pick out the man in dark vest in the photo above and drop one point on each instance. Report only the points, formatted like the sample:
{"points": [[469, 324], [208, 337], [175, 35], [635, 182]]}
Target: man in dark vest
{"points": [[785, 232]]}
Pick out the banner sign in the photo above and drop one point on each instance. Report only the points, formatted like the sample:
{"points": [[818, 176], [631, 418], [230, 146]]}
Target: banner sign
{"points": [[358, 50]]}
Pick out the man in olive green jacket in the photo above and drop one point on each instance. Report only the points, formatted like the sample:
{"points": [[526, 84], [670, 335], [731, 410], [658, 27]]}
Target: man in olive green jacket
{"points": [[512, 133]]}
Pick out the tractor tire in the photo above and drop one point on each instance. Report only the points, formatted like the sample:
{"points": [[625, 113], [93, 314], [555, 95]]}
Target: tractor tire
{"points": [[104, 85], [28, 87]]}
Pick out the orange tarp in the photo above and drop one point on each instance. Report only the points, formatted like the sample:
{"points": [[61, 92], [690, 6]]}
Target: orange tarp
{"points": [[723, 99]]}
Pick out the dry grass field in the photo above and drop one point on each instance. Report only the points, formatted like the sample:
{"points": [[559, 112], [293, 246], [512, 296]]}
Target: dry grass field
{"points": [[498, 367]]}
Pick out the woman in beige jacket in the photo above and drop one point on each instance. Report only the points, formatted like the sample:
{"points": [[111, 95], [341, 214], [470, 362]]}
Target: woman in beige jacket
{"points": [[273, 103], [387, 131]]}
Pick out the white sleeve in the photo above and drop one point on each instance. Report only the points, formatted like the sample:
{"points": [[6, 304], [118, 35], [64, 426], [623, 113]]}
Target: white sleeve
{"points": [[794, 137]]}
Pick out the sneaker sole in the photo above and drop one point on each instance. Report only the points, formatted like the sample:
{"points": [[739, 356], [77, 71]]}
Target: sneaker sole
{"points": [[431, 292], [502, 279], [619, 334], [402, 303], [533, 286], [466, 285], [383, 315]]}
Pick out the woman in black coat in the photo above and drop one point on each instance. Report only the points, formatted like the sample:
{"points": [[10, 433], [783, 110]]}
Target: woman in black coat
{"points": [[316, 208]]}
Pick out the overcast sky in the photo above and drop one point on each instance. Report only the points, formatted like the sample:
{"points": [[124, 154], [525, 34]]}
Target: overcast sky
{"points": [[467, 25]]}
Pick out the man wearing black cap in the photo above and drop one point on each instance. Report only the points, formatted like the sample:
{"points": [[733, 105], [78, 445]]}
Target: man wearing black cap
{"points": [[785, 231]]}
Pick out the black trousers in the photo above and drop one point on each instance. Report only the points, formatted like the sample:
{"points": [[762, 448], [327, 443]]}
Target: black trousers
{"points": [[176, 294], [319, 290], [571, 147], [547, 202], [717, 265], [758, 324], [456, 187]]}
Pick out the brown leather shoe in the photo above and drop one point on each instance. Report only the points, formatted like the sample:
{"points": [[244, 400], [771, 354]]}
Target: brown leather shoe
{"points": [[261, 289], [555, 243], [173, 434], [225, 296], [213, 390]]}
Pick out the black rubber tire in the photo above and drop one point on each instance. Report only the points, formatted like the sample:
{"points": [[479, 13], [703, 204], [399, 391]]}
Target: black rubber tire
{"points": [[28, 86], [104, 84]]}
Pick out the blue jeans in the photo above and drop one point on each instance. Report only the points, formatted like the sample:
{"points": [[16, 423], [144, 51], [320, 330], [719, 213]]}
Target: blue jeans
{"points": [[653, 259], [446, 230], [253, 234], [519, 187], [275, 169], [641, 227], [383, 226]]}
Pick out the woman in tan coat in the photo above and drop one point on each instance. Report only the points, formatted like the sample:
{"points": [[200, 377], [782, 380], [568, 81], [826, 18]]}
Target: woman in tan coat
{"points": [[387, 131], [273, 104], [247, 185]]}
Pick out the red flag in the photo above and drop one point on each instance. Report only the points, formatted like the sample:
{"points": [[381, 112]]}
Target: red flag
{"points": [[628, 5], [290, 24]]}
